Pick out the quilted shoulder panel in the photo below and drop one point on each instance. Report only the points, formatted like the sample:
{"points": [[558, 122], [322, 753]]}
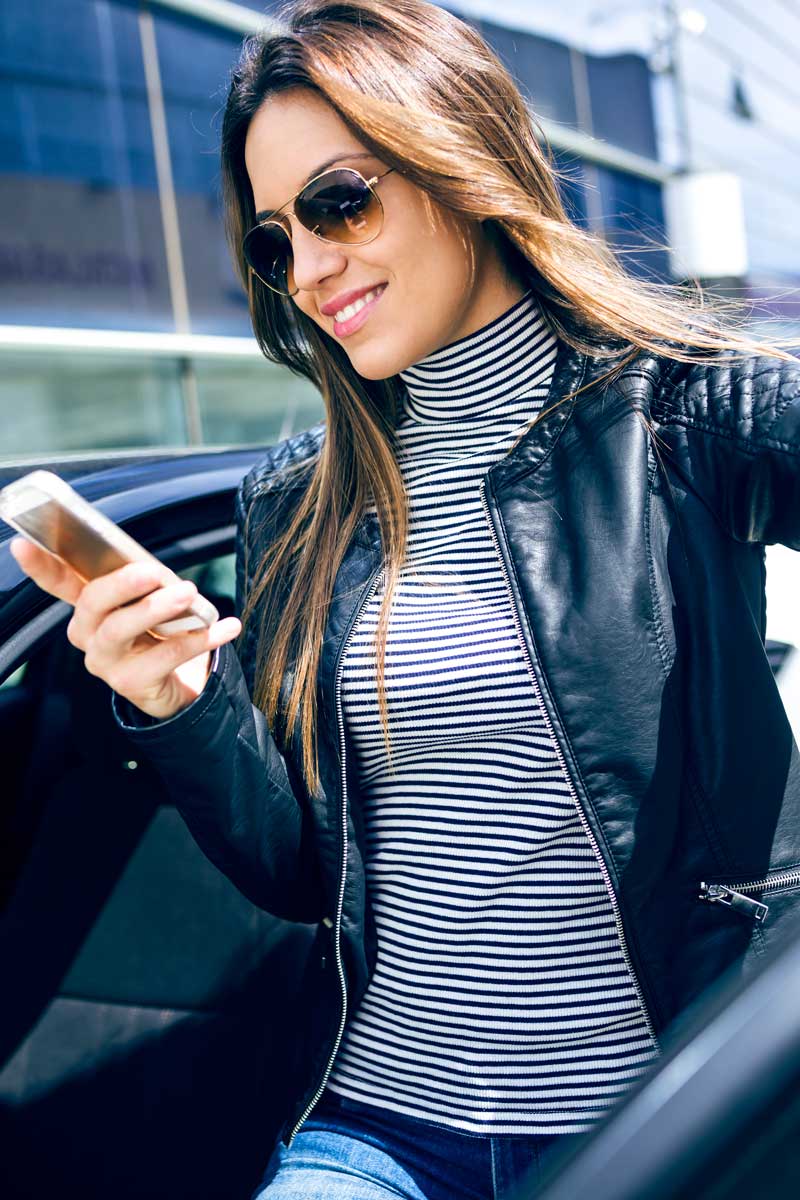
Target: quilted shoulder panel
{"points": [[278, 477], [742, 397], [282, 462]]}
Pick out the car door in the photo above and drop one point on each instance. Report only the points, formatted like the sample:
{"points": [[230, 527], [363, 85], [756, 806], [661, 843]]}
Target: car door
{"points": [[142, 995], [718, 1117]]}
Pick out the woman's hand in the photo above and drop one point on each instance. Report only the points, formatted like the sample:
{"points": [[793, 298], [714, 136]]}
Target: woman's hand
{"points": [[110, 622]]}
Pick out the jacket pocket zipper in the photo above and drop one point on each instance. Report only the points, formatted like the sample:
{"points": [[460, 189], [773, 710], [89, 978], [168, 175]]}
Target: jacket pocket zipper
{"points": [[735, 897]]}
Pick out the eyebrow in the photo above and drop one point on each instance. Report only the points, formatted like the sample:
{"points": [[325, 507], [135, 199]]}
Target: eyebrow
{"points": [[329, 162]]}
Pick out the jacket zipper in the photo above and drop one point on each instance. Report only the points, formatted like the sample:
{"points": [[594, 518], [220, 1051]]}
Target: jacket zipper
{"points": [[337, 933], [734, 897], [576, 799]]}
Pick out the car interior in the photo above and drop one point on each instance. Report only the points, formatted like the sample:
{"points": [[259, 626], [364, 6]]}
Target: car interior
{"points": [[143, 995]]}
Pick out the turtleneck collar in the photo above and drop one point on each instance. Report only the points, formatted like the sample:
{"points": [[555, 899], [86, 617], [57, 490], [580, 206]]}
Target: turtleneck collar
{"points": [[510, 357]]}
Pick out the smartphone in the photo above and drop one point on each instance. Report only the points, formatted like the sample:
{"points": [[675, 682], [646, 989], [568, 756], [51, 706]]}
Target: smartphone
{"points": [[48, 512]]}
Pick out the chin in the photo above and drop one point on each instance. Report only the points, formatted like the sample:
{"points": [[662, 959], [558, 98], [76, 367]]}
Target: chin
{"points": [[374, 365]]}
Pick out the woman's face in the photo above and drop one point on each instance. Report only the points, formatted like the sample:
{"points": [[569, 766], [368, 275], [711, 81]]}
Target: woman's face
{"points": [[442, 276]]}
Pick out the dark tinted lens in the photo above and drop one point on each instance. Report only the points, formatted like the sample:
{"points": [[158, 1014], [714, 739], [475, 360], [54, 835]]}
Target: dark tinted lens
{"points": [[268, 251], [340, 206]]}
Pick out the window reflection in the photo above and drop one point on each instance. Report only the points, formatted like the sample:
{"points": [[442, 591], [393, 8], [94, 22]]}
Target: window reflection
{"points": [[81, 241], [15, 678], [195, 62], [51, 404]]}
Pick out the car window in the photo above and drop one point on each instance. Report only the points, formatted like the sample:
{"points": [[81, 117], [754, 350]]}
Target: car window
{"points": [[217, 576], [15, 678]]}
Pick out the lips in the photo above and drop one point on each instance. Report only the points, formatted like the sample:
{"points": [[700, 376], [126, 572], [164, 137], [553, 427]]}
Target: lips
{"points": [[344, 298]]}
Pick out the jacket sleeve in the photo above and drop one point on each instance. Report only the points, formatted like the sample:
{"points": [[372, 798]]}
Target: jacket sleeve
{"points": [[732, 431], [245, 806]]}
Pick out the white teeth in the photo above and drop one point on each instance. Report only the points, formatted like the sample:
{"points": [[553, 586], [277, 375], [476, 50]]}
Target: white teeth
{"points": [[345, 314]]}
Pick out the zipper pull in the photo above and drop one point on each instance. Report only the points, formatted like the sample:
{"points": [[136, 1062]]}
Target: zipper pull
{"points": [[718, 893]]}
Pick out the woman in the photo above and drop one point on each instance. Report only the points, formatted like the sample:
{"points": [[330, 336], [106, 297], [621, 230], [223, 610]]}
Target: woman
{"points": [[500, 718]]}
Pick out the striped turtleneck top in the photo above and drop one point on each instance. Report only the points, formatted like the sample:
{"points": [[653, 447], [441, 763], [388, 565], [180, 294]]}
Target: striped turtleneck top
{"points": [[501, 1002]]}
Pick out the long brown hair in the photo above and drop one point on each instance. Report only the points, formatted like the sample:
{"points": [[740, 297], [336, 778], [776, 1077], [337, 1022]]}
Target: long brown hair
{"points": [[422, 91]]}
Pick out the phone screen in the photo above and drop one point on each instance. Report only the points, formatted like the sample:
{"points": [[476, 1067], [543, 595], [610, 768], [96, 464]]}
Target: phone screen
{"points": [[60, 532]]}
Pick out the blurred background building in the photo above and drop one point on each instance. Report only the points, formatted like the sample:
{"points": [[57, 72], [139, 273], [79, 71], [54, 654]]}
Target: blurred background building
{"points": [[726, 98], [121, 322]]}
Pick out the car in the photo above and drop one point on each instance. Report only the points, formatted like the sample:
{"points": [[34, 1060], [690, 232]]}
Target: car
{"points": [[718, 1117], [144, 997], [142, 994]]}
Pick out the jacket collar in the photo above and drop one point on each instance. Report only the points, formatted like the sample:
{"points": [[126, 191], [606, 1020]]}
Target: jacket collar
{"points": [[571, 371]]}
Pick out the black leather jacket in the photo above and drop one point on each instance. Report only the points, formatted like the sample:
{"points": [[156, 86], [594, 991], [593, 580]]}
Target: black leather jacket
{"points": [[638, 590]]}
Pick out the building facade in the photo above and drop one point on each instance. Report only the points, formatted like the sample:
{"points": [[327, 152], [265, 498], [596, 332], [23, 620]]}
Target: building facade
{"points": [[121, 321]]}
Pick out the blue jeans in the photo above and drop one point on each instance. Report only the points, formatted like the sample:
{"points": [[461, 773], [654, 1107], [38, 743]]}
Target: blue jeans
{"points": [[347, 1150]]}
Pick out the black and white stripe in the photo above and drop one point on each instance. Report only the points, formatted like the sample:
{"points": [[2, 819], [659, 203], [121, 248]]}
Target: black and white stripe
{"points": [[501, 1002]]}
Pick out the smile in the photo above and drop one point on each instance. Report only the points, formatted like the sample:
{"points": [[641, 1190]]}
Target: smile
{"points": [[353, 316]]}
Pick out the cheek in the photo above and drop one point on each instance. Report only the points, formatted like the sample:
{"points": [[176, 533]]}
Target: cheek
{"points": [[426, 251], [418, 231]]}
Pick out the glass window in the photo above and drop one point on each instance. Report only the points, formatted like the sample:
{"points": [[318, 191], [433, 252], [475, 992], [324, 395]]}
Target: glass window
{"points": [[51, 403], [541, 69], [633, 216], [253, 402], [81, 241], [215, 579], [15, 678], [572, 185], [621, 102], [195, 61]]}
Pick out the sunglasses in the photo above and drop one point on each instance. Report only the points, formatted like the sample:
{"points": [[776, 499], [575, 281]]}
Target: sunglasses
{"points": [[339, 206]]}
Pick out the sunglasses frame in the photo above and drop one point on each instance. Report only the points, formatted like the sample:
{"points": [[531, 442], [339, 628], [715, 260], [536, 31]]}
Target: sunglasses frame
{"points": [[270, 220]]}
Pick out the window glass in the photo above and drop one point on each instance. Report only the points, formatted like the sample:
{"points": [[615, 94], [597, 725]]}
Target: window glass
{"points": [[253, 401], [216, 578], [195, 61], [571, 184], [633, 216], [51, 403], [80, 225], [541, 69], [621, 102], [15, 678]]}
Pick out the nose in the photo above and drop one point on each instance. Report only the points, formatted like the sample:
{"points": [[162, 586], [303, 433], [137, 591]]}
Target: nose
{"points": [[313, 259]]}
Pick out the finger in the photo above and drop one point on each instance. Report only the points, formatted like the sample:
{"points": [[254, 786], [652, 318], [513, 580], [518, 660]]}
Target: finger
{"points": [[144, 674], [47, 572], [103, 595], [122, 626]]}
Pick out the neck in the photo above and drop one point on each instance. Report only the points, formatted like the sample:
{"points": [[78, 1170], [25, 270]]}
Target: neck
{"points": [[507, 358]]}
